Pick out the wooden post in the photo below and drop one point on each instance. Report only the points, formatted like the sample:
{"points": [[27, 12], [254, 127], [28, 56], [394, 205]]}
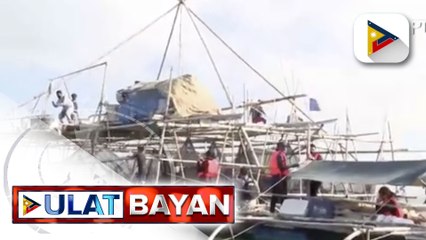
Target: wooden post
{"points": [[179, 155], [391, 142], [262, 160], [223, 154], [250, 145], [247, 158], [163, 133], [308, 142], [300, 159], [233, 152]]}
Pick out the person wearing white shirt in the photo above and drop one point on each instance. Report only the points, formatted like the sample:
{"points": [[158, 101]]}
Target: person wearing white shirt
{"points": [[67, 107]]}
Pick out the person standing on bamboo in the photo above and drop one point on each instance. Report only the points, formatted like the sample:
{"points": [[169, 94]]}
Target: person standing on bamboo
{"points": [[74, 115], [278, 170], [66, 105], [141, 163], [314, 186]]}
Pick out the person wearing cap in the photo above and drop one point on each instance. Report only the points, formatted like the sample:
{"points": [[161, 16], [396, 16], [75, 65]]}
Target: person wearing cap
{"points": [[314, 186], [278, 170]]}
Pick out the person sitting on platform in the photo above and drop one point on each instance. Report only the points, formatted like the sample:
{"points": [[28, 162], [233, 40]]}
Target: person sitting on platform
{"points": [[208, 167], [387, 204]]}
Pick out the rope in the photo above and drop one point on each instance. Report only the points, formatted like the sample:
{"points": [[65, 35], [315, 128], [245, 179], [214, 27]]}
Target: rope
{"points": [[244, 231], [246, 63], [120, 44], [35, 105], [66, 88], [273, 185], [50, 89], [102, 97], [228, 96], [168, 43], [180, 44], [234, 52]]}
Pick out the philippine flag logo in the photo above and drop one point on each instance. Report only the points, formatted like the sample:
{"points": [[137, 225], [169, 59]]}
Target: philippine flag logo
{"points": [[29, 205], [378, 38], [381, 38]]}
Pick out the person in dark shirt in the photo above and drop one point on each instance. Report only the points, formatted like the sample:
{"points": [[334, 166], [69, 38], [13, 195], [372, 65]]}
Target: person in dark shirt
{"points": [[141, 161], [245, 185], [74, 115]]}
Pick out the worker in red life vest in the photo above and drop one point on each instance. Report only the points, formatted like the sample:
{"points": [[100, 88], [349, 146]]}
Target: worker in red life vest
{"points": [[387, 204], [278, 169], [208, 167], [314, 186]]}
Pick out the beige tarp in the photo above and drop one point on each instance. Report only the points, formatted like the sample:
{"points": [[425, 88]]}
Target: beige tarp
{"points": [[188, 95]]}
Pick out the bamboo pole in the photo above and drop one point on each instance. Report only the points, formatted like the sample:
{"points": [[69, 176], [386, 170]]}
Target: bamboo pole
{"points": [[262, 159], [391, 141], [300, 160], [179, 155], [222, 156], [163, 133], [233, 153], [247, 158], [250, 146]]}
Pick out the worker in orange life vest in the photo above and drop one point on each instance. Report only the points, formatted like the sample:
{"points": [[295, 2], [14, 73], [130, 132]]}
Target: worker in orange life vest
{"points": [[387, 204], [278, 169], [314, 186], [208, 167]]}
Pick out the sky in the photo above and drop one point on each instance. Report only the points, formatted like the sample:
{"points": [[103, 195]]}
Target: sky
{"points": [[300, 46]]}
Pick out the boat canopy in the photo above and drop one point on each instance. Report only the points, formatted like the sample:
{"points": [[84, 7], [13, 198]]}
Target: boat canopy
{"points": [[406, 173], [188, 97]]}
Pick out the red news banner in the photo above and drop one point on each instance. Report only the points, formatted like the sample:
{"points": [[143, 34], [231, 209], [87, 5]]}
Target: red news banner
{"points": [[123, 204]]}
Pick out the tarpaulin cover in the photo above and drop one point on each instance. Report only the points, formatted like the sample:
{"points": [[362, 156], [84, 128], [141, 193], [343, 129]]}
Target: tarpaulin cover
{"points": [[393, 173], [144, 99]]}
